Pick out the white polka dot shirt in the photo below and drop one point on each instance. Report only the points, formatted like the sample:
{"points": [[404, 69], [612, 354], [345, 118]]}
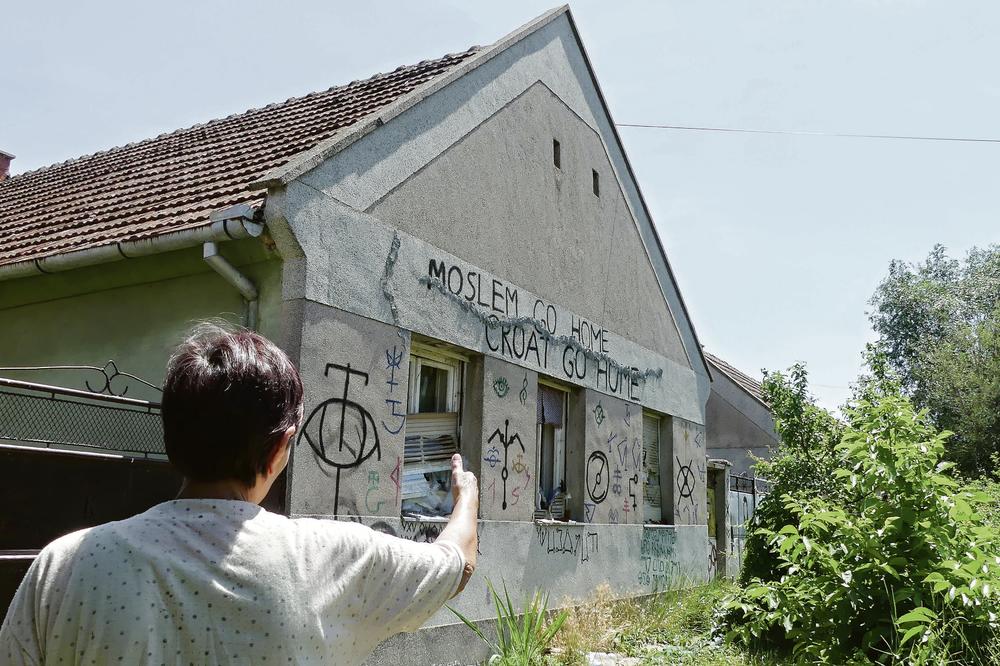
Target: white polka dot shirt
{"points": [[223, 582]]}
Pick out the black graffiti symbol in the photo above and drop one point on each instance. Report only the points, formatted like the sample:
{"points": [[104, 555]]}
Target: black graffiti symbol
{"points": [[685, 479], [634, 479], [598, 478], [523, 395], [315, 434], [505, 440]]}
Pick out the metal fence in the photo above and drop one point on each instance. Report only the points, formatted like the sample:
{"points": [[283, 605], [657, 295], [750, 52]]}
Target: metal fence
{"points": [[745, 493], [55, 416]]}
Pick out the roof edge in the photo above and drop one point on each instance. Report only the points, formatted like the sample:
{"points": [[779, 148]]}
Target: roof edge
{"points": [[310, 159], [723, 368], [698, 352]]}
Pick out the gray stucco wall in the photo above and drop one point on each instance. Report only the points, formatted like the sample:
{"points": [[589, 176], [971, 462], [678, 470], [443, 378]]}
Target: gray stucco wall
{"points": [[450, 222], [521, 217]]}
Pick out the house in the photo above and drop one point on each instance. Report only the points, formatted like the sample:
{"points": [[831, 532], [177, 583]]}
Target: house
{"points": [[740, 424], [458, 257]]}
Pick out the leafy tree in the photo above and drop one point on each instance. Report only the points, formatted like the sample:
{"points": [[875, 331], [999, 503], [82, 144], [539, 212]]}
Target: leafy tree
{"points": [[895, 567], [803, 462], [939, 323]]}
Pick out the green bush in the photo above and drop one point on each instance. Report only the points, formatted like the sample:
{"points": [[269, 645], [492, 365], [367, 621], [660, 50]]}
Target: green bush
{"points": [[894, 567], [804, 461]]}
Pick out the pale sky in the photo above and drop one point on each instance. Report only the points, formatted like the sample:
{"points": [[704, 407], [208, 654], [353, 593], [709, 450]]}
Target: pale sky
{"points": [[777, 241]]}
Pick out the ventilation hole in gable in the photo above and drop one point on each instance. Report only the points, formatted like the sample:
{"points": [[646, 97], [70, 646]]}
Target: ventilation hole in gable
{"points": [[556, 154], [597, 183]]}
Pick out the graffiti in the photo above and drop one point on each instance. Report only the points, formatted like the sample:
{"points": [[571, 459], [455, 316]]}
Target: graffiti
{"points": [[506, 440], [393, 361], [525, 337], [622, 446], [628, 416], [599, 415], [373, 485], [523, 395], [713, 558], [598, 478], [492, 457], [516, 492], [419, 531], [616, 486], [658, 568], [613, 516], [564, 541], [493, 492], [501, 387], [394, 477], [638, 455], [685, 480], [351, 413], [632, 482]]}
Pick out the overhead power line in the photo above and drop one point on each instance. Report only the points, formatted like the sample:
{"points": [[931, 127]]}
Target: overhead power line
{"points": [[742, 130]]}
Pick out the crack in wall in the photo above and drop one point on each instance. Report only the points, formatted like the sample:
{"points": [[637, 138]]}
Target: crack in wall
{"points": [[390, 266]]}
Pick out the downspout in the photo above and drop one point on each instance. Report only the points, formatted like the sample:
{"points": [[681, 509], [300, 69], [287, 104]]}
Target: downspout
{"points": [[233, 223], [232, 275]]}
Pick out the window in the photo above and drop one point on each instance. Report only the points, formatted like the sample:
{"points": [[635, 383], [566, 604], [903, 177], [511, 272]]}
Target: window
{"points": [[651, 465], [597, 184], [431, 435], [556, 154], [550, 438]]}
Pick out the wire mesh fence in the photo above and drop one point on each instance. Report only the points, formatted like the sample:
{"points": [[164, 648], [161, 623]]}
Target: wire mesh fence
{"points": [[58, 417]]}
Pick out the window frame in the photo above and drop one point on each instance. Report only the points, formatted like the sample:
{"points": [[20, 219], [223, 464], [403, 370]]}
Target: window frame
{"points": [[647, 508], [558, 442]]}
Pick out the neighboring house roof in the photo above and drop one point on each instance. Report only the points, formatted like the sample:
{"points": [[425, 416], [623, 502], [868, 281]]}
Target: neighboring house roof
{"points": [[743, 380], [176, 180]]}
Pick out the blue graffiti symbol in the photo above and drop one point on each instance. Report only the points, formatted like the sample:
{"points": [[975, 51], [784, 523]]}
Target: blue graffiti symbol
{"points": [[393, 362], [616, 487], [628, 417], [492, 457], [622, 451], [588, 511]]}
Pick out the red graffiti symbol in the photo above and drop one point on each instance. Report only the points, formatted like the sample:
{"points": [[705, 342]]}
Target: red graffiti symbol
{"points": [[516, 493], [394, 476], [493, 492]]}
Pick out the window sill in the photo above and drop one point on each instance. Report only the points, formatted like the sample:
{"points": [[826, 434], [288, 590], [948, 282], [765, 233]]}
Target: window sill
{"points": [[553, 521]]}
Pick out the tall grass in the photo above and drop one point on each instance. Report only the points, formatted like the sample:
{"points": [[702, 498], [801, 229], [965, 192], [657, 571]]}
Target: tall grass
{"points": [[523, 638]]}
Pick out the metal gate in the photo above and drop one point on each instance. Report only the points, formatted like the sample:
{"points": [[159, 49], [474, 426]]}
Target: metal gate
{"points": [[745, 493]]}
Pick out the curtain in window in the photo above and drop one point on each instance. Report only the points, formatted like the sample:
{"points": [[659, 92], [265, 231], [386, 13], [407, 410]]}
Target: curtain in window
{"points": [[550, 406]]}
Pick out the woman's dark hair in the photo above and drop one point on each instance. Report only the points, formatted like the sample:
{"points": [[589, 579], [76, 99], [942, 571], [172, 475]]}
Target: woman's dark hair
{"points": [[228, 397]]}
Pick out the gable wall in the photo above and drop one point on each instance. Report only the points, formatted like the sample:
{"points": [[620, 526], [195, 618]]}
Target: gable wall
{"points": [[497, 200]]}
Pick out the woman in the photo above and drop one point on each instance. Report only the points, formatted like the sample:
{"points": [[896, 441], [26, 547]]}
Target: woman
{"points": [[211, 577]]}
